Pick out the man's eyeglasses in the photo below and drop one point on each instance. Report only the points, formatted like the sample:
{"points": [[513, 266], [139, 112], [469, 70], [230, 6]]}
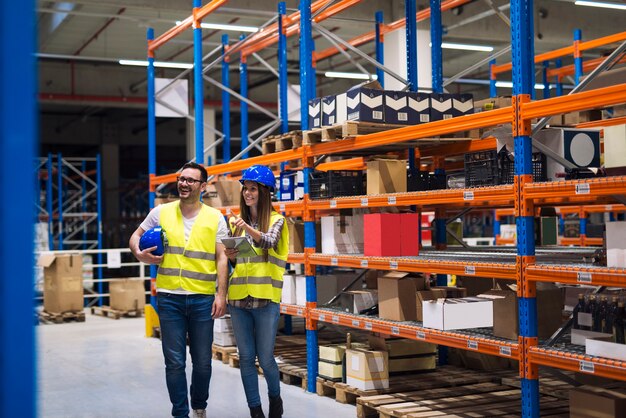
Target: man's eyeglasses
{"points": [[188, 180]]}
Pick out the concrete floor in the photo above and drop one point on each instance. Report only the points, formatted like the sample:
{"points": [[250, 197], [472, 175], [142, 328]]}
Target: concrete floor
{"points": [[107, 368]]}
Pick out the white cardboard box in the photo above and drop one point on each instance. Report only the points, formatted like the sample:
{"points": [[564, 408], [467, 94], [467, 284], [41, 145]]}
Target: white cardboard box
{"points": [[342, 234], [616, 244], [300, 282], [458, 313], [615, 146], [581, 336], [605, 349], [224, 339], [289, 289], [223, 324]]}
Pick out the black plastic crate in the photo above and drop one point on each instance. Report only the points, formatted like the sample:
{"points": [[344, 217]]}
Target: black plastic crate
{"points": [[507, 167], [422, 181], [333, 183], [481, 169]]}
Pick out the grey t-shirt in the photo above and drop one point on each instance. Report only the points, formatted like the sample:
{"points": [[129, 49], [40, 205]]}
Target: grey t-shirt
{"points": [[152, 220]]}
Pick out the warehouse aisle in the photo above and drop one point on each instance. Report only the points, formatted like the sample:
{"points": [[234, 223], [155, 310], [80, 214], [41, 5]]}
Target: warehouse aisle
{"points": [[107, 368]]}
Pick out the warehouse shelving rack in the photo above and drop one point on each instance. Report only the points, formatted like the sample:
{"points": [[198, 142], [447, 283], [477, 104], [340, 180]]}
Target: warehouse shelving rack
{"points": [[523, 195]]}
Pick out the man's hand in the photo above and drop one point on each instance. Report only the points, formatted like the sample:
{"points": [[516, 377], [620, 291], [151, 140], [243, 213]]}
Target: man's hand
{"points": [[219, 306], [231, 253], [147, 257]]}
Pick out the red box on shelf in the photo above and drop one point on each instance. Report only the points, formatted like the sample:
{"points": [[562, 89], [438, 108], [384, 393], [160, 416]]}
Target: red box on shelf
{"points": [[409, 234], [381, 234]]}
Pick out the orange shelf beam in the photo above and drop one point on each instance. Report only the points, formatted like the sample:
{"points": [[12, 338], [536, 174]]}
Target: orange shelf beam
{"points": [[602, 123], [494, 347], [597, 366], [586, 189], [463, 268], [588, 65], [458, 148], [595, 276], [349, 164], [294, 310]]}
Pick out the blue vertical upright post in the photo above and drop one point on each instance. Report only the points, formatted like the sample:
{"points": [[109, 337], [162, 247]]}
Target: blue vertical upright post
{"points": [[559, 84], [496, 227], [151, 149], [60, 200], [545, 81], [578, 59], [380, 48], [523, 84], [83, 185], [198, 86], [18, 133], [435, 50], [411, 61], [99, 207], [49, 205], [492, 79], [225, 101], [282, 70], [243, 86]]}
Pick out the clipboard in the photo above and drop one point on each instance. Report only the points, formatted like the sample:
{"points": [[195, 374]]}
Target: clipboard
{"points": [[242, 244]]}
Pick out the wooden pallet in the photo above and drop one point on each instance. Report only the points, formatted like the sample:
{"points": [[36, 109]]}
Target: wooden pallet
{"points": [[223, 353], [277, 143], [59, 318], [348, 129], [115, 313]]}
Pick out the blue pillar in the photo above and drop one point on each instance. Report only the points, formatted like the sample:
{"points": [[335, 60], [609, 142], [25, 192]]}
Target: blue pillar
{"points": [[151, 143], [492, 79], [283, 81], [49, 206], [225, 103], [411, 61], [60, 199], [545, 81], [18, 133], [380, 49], [83, 185], [99, 207], [559, 84], [578, 59], [435, 49], [198, 87], [243, 86]]}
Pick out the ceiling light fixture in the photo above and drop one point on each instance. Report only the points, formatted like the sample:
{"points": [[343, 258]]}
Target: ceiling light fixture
{"points": [[603, 5], [356, 76], [509, 85], [220, 26], [161, 64], [466, 47]]}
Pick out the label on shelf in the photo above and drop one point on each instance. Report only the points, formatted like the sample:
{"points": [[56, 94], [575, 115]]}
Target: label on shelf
{"points": [[472, 345], [583, 188], [391, 200], [395, 331], [470, 270], [583, 277], [333, 203], [364, 201], [505, 351], [283, 309], [228, 212], [468, 195], [322, 317], [299, 312], [364, 263], [368, 326], [334, 261], [420, 335], [282, 207], [393, 265], [356, 323], [587, 367], [336, 319]]}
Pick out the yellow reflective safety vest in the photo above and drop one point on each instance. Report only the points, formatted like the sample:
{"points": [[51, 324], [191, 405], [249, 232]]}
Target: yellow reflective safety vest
{"points": [[256, 277], [189, 265]]}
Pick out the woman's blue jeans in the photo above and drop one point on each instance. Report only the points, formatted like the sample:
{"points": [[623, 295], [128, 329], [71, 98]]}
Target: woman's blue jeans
{"points": [[255, 332], [180, 316]]}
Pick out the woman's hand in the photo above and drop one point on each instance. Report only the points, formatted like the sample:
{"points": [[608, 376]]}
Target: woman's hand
{"points": [[238, 223], [231, 253]]}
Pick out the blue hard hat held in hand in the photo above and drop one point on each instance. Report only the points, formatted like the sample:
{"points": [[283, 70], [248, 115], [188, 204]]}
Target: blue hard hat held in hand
{"points": [[154, 237], [260, 174]]}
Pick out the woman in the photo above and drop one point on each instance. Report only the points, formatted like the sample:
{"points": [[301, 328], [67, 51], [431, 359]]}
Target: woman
{"points": [[255, 287]]}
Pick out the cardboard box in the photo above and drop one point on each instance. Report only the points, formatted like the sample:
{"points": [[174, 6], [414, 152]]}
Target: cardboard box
{"points": [[461, 313], [224, 339], [63, 282], [401, 347], [229, 192], [423, 296], [409, 234], [330, 285], [329, 110], [418, 107], [446, 106], [580, 336], [371, 279], [210, 197], [367, 369], [396, 298], [330, 371], [356, 301], [380, 234], [289, 289], [615, 146], [578, 146], [127, 294], [616, 244], [296, 235], [342, 234], [365, 103], [607, 349], [330, 365], [315, 113], [492, 103], [300, 284], [589, 401], [223, 324], [396, 107], [386, 176]]}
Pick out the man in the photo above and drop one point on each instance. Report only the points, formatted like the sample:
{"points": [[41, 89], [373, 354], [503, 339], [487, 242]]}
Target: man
{"points": [[191, 286]]}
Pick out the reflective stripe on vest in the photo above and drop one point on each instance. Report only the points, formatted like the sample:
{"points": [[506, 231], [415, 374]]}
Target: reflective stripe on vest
{"points": [[189, 265], [258, 277]]}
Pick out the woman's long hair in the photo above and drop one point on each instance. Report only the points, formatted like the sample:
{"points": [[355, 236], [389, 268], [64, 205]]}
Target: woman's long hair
{"points": [[264, 211]]}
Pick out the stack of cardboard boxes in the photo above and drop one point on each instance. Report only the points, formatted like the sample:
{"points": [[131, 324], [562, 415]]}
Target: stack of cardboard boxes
{"points": [[223, 332]]}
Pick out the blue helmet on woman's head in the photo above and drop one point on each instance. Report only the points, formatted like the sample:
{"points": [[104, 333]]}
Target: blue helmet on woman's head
{"points": [[260, 174]]}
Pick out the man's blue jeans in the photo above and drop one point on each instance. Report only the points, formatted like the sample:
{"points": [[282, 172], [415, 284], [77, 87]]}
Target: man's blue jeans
{"points": [[179, 316], [255, 332]]}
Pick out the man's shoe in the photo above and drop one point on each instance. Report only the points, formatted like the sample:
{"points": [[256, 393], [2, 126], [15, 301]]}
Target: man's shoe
{"points": [[257, 412], [199, 413], [276, 407]]}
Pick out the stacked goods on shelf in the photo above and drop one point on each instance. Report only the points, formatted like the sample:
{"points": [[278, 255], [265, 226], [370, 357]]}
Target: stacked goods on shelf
{"points": [[367, 369], [490, 168], [616, 245], [63, 282], [386, 176], [580, 147], [396, 295], [357, 301], [223, 332], [291, 185], [342, 234], [335, 183], [327, 287], [590, 401], [406, 355], [391, 234], [331, 363], [294, 289], [127, 294], [229, 192], [615, 150], [458, 313]]}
